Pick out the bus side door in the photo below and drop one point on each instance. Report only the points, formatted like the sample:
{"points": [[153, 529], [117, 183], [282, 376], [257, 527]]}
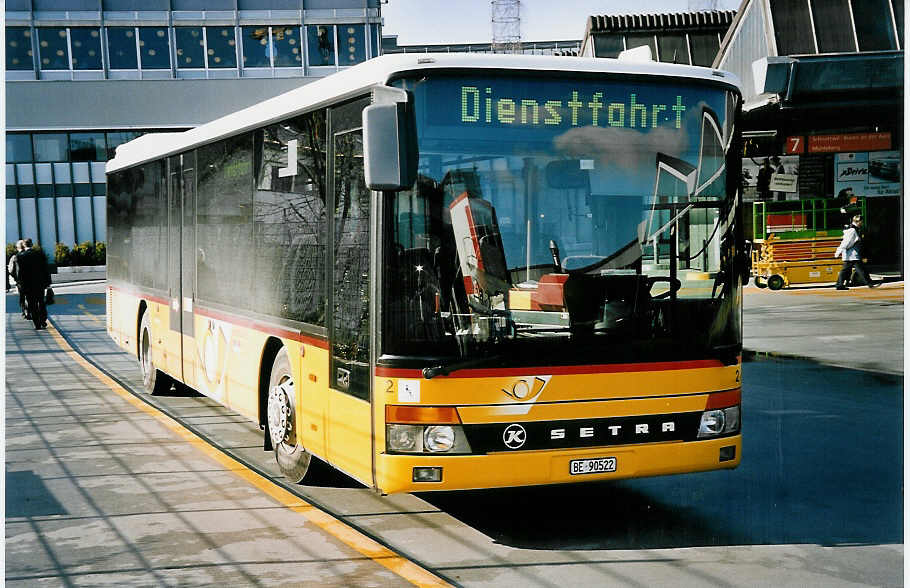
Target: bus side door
{"points": [[181, 266]]}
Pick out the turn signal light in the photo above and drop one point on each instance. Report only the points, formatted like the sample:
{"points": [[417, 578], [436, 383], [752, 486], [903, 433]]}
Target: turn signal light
{"points": [[437, 415]]}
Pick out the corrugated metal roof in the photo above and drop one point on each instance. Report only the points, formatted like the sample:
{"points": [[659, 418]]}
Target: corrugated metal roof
{"points": [[705, 19]]}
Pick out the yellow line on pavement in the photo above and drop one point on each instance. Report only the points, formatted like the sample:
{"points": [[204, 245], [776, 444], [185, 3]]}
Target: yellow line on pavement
{"points": [[92, 316], [328, 523]]}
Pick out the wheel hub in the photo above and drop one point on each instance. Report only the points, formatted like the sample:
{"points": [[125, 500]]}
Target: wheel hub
{"points": [[281, 412]]}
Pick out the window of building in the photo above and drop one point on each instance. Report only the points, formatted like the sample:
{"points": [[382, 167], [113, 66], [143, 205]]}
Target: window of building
{"points": [[673, 48], [704, 48], [608, 45], [121, 47], [19, 48], [87, 147], [640, 40], [51, 147], [86, 47], [222, 50], [257, 49], [288, 48], [153, 48], [321, 45], [190, 47], [793, 27], [52, 47], [874, 28], [18, 147], [352, 44], [119, 138]]}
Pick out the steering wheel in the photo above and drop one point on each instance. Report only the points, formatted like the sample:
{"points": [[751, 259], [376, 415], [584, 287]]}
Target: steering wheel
{"points": [[675, 285]]}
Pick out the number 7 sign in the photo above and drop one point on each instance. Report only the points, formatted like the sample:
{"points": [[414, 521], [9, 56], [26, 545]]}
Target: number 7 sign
{"points": [[796, 145]]}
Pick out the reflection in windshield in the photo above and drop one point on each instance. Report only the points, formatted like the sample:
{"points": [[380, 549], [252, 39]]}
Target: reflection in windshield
{"points": [[582, 235]]}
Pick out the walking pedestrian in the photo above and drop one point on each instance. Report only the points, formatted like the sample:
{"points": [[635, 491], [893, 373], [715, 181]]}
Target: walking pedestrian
{"points": [[34, 277], [12, 269], [851, 251]]}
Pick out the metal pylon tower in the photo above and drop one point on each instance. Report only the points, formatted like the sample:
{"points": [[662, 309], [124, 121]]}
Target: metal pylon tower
{"points": [[506, 26]]}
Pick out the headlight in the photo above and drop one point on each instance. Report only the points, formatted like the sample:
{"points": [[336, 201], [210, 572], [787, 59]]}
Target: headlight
{"points": [[403, 438], [439, 438], [718, 422]]}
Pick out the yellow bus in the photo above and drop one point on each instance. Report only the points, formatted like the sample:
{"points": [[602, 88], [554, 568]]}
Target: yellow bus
{"points": [[450, 271]]}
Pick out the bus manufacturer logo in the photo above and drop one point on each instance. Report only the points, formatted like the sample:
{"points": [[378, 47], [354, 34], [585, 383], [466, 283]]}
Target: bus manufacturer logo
{"points": [[514, 436]]}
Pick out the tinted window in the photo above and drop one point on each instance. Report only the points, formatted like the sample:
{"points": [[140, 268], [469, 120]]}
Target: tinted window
{"points": [[633, 41], [607, 45], [18, 147], [874, 28], [224, 219], [119, 138], [222, 50], [256, 48], [87, 147], [86, 43], [704, 48], [52, 48], [352, 44], [792, 27], [148, 213], [673, 49], [153, 47], [321, 44], [288, 48], [50, 147], [121, 46], [190, 47], [898, 6], [831, 19], [18, 48], [290, 220]]}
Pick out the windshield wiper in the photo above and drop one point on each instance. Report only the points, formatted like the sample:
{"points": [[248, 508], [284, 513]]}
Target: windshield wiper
{"points": [[447, 368]]}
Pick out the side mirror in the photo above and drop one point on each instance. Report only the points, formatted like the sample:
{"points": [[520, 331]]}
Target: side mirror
{"points": [[389, 142]]}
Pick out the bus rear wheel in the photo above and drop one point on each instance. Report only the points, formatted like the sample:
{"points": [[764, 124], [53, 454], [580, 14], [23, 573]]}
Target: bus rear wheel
{"points": [[153, 380], [293, 460]]}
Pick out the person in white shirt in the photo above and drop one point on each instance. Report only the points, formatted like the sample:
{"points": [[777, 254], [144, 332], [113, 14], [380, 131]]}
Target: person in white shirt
{"points": [[851, 251]]}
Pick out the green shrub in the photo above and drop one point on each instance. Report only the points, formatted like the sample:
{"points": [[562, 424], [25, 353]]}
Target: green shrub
{"points": [[100, 253], [61, 255], [83, 254], [10, 251]]}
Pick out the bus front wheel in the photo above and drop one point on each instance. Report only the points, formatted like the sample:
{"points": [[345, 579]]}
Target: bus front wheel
{"points": [[153, 380], [293, 460]]}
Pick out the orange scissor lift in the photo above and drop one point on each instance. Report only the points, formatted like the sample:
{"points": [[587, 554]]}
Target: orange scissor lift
{"points": [[793, 242]]}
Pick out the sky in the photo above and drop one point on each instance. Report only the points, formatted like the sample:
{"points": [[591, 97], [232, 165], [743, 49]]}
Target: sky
{"points": [[431, 22]]}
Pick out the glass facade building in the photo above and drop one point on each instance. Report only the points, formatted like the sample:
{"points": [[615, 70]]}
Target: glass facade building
{"points": [[228, 54]]}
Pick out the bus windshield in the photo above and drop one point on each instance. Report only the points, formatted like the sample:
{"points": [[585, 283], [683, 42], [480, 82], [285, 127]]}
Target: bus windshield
{"points": [[563, 220]]}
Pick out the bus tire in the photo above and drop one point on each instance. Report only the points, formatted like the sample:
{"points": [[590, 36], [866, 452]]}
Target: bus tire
{"points": [[293, 460], [153, 380], [776, 282]]}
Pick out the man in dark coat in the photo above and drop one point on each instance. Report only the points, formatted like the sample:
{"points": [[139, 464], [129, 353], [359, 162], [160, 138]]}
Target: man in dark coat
{"points": [[12, 269], [35, 277]]}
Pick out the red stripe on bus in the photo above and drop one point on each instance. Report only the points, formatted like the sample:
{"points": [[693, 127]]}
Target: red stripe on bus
{"points": [[263, 328], [138, 294], [560, 370]]}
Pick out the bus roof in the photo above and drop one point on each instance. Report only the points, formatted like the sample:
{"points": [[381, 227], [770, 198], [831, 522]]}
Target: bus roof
{"points": [[378, 71]]}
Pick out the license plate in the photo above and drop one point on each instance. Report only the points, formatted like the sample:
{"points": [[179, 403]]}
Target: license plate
{"points": [[597, 465]]}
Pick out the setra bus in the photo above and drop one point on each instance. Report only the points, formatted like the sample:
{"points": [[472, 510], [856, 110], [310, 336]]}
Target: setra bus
{"points": [[450, 271]]}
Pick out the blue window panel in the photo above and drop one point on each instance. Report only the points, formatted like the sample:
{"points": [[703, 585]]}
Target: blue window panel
{"points": [[86, 44], [44, 179], [51, 147], [19, 48], [352, 44], [29, 218], [52, 48], [46, 224], [10, 180], [26, 177], [288, 48], [321, 44], [256, 47], [62, 178], [100, 218], [87, 147], [12, 221], [154, 48], [67, 234], [190, 47], [121, 47], [84, 220], [18, 147], [222, 48], [375, 40]]}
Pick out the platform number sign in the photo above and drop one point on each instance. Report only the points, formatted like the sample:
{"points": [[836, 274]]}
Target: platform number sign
{"points": [[795, 145]]}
